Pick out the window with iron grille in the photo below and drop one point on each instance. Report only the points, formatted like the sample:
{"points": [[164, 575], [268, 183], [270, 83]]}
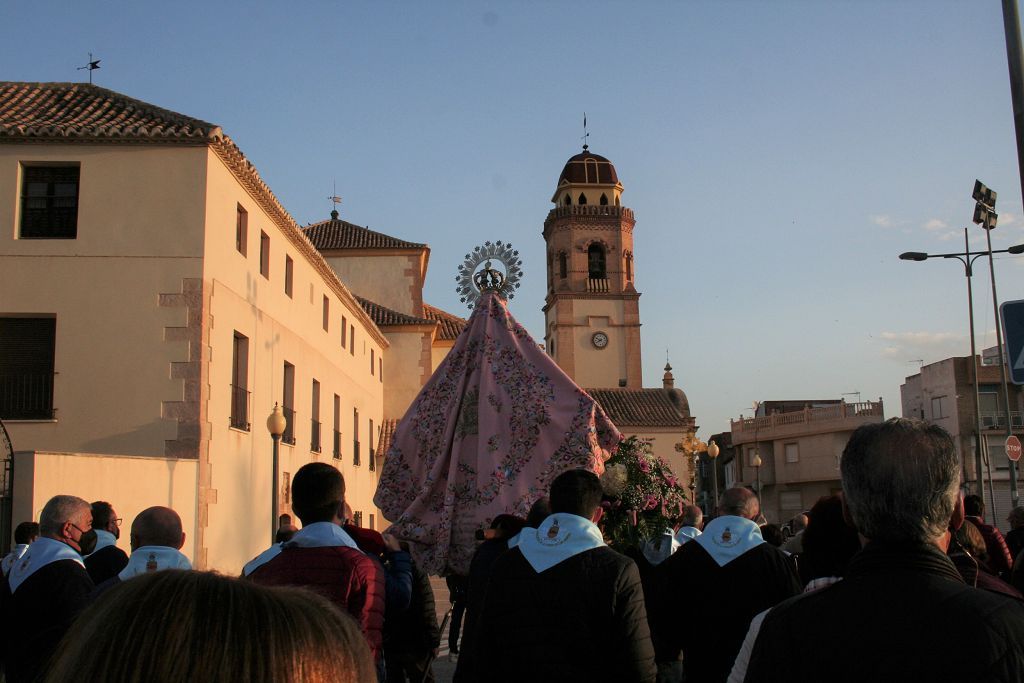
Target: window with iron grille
{"points": [[241, 230], [240, 383], [314, 439], [289, 275], [49, 202], [264, 254], [26, 368], [288, 404], [355, 436], [373, 453]]}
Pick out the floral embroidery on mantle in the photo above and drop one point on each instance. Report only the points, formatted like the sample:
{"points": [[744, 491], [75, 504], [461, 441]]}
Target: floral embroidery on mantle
{"points": [[456, 462]]}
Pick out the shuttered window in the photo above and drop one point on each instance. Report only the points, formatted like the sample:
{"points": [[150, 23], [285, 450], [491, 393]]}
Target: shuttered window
{"points": [[49, 202], [26, 368]]}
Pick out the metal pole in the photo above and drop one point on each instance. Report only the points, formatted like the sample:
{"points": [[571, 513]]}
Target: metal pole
{"points": [[274, 491], [1015, 62], [714, 483], [1002, 372], [969, 272]]}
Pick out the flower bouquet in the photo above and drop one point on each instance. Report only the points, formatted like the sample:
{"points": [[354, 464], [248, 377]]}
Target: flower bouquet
{"points": [[642, 496]]}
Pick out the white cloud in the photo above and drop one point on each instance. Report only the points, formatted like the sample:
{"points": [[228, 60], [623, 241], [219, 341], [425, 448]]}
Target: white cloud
{"points": [[927, 346], [1007, 218], [947, 236], [883, 220], [935, 224]]}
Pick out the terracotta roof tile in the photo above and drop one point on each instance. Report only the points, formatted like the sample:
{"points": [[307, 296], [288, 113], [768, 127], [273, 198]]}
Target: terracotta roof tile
{"points": [[640, 407], [83, 110], [385, 317], [387, 433], [451, 326], [338, 234]]}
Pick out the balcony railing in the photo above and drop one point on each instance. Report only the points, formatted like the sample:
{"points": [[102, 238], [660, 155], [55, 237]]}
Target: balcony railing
{"points": [[373, 461], [997, 420], [597, 285], [26, 397], [355, 452], [337, 444], [240, 398], [314, 436], [289, 432], [836, 411]]}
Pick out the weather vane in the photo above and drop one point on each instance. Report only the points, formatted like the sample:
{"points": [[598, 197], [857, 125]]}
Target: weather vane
{"points": [[474, 280], [585, 133], [91, 66], [335, 200]]}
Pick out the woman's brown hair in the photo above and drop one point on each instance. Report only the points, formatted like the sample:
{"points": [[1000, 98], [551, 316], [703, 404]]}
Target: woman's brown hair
{"points": [[201, 626]]}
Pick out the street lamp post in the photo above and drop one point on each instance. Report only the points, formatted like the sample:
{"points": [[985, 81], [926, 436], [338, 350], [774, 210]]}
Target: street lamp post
{"points": [[692, 447], [276, 424], [757, 468], [986, 216], [967, 258], [713, 452]]}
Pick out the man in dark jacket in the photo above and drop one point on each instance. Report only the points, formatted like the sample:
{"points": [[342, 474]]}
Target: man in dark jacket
{"points": [[46, 589], [999, 558], [412, 636], [107, 559], [322, 557], [720, 580], [561, 605], [901, 612]]}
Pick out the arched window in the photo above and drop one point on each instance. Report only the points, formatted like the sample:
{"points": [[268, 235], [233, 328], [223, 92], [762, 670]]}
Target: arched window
{"points": [[604, 199], [563, 265], [596, 262], [568, 199], [583, 199], [629, 267]]}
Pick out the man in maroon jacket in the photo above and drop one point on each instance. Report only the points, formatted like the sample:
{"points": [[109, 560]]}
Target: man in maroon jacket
{"points": [[999, 558], [322, 557]]}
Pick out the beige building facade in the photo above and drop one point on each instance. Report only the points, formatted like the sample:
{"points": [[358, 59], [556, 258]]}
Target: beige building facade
{"points": [[799, 445], [157, 301]]}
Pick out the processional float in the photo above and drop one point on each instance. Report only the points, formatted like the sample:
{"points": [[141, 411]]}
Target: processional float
{"points": [[492, 427]]}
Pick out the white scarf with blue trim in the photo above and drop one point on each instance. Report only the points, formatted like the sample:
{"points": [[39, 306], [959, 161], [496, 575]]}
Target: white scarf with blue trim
{"points": [[41, 552], [558, 538], [727, 537], [316, 535]]}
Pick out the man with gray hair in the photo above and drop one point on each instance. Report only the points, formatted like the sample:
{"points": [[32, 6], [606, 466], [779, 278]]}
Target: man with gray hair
{"points": [[724, 577], [901, 603], [46, 588]]}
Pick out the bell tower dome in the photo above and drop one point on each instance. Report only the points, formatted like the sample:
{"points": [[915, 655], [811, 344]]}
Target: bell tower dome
{"points": [[592, 308]]}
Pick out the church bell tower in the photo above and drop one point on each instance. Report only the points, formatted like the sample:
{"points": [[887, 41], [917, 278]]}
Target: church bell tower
{"points": [[592, 309]]}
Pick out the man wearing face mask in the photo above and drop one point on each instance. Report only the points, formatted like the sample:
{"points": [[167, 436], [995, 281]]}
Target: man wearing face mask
{"points": [[46, 589], [107, 559]]}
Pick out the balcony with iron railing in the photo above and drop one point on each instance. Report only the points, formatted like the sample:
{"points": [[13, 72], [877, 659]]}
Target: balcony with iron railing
{"points": [[314, 436], [289, 431], [26, 397], [240, 398], [373, 461], [355, 452], [337, 445]]}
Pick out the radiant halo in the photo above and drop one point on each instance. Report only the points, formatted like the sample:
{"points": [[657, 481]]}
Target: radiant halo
{"points": [[478, 273]]}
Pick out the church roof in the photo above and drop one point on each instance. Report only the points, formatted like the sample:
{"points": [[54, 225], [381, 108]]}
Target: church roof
{"points": [[386, 317], [450, 326], [644, 407], [335, 233], [83, 110], [590, 169]]}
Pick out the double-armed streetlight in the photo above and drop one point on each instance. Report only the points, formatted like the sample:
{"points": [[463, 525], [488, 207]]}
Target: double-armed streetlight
{"points": [[967, 258]]}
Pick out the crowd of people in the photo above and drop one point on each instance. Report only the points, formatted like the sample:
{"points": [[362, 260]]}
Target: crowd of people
{"points": [[897, 578]]}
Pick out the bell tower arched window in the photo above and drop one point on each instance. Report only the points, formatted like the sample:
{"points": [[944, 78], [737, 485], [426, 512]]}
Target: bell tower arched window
{"points": [[604, 199], [568, 199], [563, 265], [629, 267], [582, 199], [596, 262]]}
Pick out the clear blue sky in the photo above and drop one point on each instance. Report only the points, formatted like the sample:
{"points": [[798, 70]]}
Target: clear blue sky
{"points": [[778, 156]]}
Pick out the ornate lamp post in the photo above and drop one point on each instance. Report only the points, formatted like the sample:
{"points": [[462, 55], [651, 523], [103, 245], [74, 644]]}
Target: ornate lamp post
{"points": [[692, 446], [757, 468], [276, 424], [713, 452]]}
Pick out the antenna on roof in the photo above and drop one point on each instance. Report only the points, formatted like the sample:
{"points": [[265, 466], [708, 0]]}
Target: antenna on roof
{"points": [[335, 199], [585, 133], [91, 66]]}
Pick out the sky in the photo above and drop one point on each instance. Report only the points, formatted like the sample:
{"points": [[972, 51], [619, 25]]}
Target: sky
{"points": [[778, 156]]}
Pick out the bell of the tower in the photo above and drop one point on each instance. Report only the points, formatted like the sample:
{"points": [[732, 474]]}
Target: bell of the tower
{"points": [[592, 312]]}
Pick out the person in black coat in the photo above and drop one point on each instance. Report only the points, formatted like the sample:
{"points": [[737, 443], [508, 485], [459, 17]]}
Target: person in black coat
{"points": [[412, 636], [46, 590], [901, 612], [107, 559], [561, 605], [722, 579]]}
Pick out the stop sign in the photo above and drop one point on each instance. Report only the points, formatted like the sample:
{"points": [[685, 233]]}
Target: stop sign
{"points": [[1013, 448]]}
